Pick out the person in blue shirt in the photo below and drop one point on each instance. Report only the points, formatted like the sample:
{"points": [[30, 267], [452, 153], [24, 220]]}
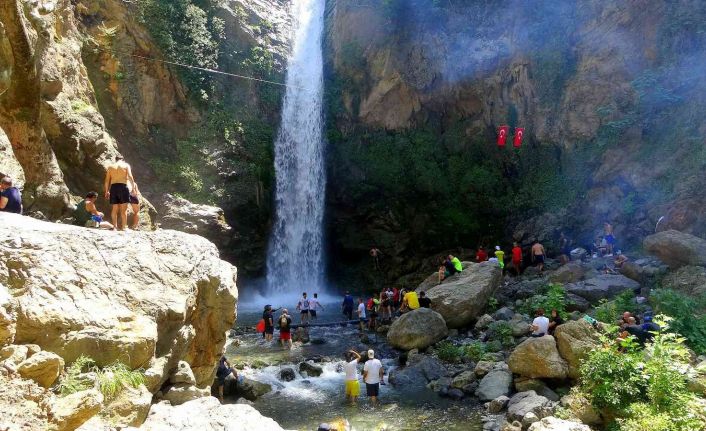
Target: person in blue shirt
{"points": [[348, 305], [10, 197]]}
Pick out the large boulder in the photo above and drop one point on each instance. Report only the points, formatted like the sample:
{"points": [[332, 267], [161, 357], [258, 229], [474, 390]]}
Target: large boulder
{"points": [[462, 298], [496, 383], [575, 339], [71, 411], [43, 367], [555, 424], [148, 299], [206, 414], [690, 280], [538, 358], [205, 220], [251, 389], [677, 249], [525, 402], [419, 373], [602, 286], [417, 329], [569, 273], [129, 408], [8, 319]]}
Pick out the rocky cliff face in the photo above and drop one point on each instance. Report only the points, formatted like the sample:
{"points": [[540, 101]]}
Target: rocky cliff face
{"points": [[158, 301], [605, 92]]}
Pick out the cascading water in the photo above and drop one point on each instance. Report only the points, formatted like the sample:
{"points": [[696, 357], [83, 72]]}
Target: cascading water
{"points": [[295, 258]]}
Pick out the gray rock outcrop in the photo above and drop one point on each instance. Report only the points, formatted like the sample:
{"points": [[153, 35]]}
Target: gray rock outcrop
{"points": [[602, 286], [496, 383], [417, 329], [677, 249], [208, 221]]}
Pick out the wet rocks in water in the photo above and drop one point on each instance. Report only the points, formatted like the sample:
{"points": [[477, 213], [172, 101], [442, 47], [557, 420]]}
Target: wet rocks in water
{"points": [[677, 249], [287, 374], [455, 394], [418, 373], [310, 369], [496, 383], [301, 335], [417, 329], [251, 389], [602, 286], [538, 358]]}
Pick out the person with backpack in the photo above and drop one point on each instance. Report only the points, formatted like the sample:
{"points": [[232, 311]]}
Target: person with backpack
{"points": [[285, 328]]}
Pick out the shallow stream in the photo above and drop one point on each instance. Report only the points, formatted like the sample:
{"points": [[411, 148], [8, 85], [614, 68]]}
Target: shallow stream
{"points": [[305, 402]]}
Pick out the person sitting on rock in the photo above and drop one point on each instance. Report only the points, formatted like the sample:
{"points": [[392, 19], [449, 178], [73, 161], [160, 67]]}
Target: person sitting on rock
{"points": [[10, 197], [540, 324], [87, 215], [619, 260], [224, 370], [450, 266], [555, 321], [409, 302], [424, 302], [285, 328]]}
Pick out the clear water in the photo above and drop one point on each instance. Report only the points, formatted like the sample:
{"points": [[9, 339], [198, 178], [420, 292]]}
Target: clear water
{"points": [[295, 258], [305, 402]]}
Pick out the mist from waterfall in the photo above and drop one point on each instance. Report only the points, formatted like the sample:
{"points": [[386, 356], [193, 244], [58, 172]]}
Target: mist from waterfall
{"points": [[295, 257]]}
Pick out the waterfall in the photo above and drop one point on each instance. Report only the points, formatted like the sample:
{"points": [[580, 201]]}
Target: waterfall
{"points": [[295, 257]]}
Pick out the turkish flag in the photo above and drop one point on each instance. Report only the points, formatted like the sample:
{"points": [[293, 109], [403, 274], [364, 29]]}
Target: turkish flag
{"points": [[502, 135], [519, 132]]}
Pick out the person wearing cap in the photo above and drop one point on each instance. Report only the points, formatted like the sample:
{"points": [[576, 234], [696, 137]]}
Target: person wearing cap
{"points": [[373, 373], [501, 256]]}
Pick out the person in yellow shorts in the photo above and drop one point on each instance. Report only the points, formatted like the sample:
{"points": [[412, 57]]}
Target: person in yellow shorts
{"points": [[351, 369], [410, 301]]}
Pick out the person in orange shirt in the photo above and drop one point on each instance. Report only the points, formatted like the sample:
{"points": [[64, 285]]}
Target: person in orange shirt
{"points": [[517, 258]]}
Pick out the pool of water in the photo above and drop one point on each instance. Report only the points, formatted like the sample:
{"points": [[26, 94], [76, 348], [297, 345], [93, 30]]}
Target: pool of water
{"points": [[305, 402]]}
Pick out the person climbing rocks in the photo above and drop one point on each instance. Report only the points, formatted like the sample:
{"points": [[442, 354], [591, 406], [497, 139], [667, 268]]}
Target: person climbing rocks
{"points": [[303, 308], [117, 177], [268, 317], [373, 375], [458, 266], [540, 324], [351, 370], [361, 313], [375, 254], [424, 302], [135, 206], [538, 255], [609, 238], [285, 328], [313, 305], [10, 197], [224, 370], [87, 215], [347, 306], [500, 255], [450, 266], [481, 255], [565, 248], [517, 258], [409, 302]]}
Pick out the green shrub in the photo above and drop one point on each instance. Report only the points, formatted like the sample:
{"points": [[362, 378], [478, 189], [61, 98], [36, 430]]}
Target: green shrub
{"points": [[612, 311], [70, 382], [688, 320], [493, 346], [447, 351], [642, 389], [474, 351], [110, 380], [501, 331], [554, 298], [492, 304]]}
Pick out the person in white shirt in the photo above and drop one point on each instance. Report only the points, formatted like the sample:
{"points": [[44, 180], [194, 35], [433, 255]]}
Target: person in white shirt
{"points": [[372, 376], [540, 324], [313, 304], [303, 306], [351, 369], [361, 313]]}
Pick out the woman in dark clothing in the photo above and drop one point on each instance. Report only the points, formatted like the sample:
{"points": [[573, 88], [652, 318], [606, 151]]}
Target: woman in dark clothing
{"points": [[554, 321]]}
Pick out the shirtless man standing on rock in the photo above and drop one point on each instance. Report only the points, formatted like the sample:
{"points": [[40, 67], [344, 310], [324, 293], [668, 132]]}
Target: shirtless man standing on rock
{"points": [[116, 189]]}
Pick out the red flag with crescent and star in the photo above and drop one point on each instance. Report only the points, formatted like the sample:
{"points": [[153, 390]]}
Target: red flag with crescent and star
{"points": [[502, 135], [519, 132]]}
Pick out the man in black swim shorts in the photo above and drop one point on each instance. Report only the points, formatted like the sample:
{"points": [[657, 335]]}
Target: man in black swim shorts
{"points": [[117, 177]]}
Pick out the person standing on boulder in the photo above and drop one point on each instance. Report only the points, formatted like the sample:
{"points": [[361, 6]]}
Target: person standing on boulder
{"points": [[303, 307], [351, 369], [500, 255], [285, 328], [224, 370], [373, 374], [481, 255], [117, 177], [10, 197], [538, 255]]}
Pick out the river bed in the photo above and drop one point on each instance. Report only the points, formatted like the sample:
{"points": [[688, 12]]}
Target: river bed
{"points": [[305, 402]]}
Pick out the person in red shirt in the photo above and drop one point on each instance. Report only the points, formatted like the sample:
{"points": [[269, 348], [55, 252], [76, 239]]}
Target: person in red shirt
{"points": [[517, 258], [481, 255]]}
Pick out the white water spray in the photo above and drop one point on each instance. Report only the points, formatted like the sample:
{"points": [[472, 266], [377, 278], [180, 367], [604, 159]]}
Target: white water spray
{"points": [[295, 259]]}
